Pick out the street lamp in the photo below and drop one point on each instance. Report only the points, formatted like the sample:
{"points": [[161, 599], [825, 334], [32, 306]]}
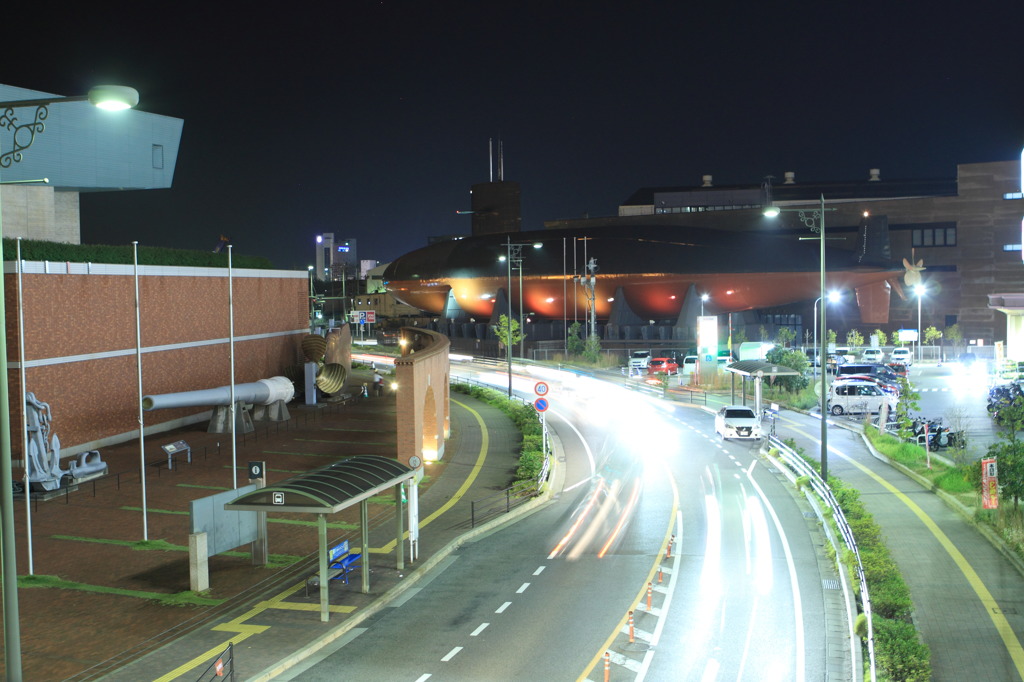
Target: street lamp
{"points": [[514, 253], [920, 290], [815, 220], [703, 299], [110, 97], [832, 297]]}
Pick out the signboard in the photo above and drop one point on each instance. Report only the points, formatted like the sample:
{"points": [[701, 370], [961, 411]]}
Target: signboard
{"points": [[707, 343], [257, 470], [989, 484], [363, 316], [906, 335], [540, 388], [541, 404]]}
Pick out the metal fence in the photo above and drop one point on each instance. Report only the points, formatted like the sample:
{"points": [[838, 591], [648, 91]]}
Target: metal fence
{"points": [[799, 466]]}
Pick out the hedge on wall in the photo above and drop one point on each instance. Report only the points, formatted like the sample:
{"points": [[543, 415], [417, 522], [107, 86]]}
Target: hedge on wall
{"points": [[35, 250]]}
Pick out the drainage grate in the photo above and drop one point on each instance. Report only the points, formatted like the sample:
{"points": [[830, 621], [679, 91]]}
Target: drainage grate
{"points": [[830, 584]]}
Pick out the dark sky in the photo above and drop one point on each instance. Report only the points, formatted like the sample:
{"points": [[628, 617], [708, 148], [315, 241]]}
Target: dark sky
{"points": [[372, 120]]}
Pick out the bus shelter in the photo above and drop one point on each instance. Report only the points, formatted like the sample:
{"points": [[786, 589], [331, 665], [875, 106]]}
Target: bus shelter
{"points": [[331, 489]]}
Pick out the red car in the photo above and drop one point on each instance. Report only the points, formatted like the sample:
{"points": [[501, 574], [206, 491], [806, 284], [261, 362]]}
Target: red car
{"points": [[662, 366]]}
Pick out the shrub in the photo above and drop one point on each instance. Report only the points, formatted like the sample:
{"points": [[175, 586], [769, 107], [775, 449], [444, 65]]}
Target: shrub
{"points": [[899, 652]]}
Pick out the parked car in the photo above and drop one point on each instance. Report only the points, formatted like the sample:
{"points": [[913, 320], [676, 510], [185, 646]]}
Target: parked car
{"points": [[890, 387], [689, 364], [833, 362], [872, 355], [737, 421], [662, 366], [871, 369], [857, 397], [903, 356]]}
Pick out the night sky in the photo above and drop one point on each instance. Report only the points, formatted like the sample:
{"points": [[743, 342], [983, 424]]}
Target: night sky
{"points": [[372, 120]]}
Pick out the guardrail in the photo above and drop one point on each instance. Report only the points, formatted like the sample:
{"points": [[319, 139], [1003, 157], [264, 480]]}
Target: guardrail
{"points": [[799, 466], [505, 500]]}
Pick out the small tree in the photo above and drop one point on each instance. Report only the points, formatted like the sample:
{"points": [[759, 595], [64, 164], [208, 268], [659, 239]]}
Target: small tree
{"points": [[739, 336], [883, 340], [831, 337], [905, 407], [1010, 453], [854, 338], [507, 330], [931, 335], [785, 336], [794, 359], [763, 333], [592, 348], [955, 336], [573, 342]]}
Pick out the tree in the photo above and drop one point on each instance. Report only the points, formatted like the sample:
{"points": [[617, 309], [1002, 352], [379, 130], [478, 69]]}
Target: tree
{"points": [[931, 335], [854, 338], [955, 336], [739, 335], [592, 348], [794, 359], [763, 333], [1010, 453], [573, 342], [785, 336], [883, 340], [905, 408], [831, 336], [504, 328]]}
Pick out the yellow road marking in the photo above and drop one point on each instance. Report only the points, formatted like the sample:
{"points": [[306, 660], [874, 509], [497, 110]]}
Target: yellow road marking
{"points": [[643, 588], [1010, 640], [277, 602]]}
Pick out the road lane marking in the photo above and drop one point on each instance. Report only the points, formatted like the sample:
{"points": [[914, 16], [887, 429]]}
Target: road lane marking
{"points": [[539, 571], [483, 626], [451, 654], [501, 609], [423, 678], [522, 588], [999, 621]]}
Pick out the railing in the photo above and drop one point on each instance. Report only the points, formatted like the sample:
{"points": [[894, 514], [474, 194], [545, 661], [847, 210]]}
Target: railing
{"points": [[802, 468], [505, 500], [224, 666]]}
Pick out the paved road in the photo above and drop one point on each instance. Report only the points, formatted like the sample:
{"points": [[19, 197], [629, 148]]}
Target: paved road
{"points": [[545, 598]]}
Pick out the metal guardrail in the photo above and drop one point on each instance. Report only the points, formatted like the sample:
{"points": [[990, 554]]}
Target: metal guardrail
{"points": [[224, 666], [503, 501], [802, 468]]}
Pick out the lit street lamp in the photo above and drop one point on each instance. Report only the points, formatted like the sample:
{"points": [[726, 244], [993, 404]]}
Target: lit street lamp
{"points": [[514, 253], [815, 220], [703, 299], [832, 297], [920, 290], [112, 98]]}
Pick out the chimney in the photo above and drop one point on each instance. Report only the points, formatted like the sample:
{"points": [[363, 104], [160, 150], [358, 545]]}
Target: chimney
{"points": [[790, 178], [707, 180], [875, 175]]}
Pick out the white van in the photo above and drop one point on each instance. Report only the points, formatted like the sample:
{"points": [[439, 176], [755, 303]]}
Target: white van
{"points": [[857, 397]]}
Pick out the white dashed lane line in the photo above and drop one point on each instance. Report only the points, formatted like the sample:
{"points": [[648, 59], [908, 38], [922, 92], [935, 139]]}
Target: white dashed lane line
{"points": [[451, 654]]}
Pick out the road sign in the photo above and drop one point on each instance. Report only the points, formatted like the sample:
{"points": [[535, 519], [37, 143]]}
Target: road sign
{"points": [[257, 470], [540, 388], [541, 404]]}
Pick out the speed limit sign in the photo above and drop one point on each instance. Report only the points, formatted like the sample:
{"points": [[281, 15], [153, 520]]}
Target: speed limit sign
{"points": [[540, 388]]}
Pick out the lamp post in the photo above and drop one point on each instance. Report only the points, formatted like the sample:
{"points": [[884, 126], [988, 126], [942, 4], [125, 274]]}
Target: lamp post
{"points": [[703, 299], [514, 254], [920, 290], [815, 220], [112, 98]]}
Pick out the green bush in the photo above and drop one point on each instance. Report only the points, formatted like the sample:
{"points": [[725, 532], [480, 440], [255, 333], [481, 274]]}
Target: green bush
{"points": [[899, 653], [34, 250]]}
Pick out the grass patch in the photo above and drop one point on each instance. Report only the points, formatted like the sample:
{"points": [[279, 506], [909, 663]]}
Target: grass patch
{"points": [[141, 545], [187, 598]]}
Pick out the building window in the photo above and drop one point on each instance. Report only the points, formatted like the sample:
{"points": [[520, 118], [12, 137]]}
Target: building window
{"points": [[158, 156], [934, 236]]}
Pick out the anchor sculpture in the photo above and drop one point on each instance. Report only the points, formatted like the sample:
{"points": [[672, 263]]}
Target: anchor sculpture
{"points": [[42, 460]]}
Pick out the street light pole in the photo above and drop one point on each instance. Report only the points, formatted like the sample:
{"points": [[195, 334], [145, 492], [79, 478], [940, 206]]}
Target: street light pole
{"points": [[919, 290], [110, 97], [815, 220], [703, 299]]}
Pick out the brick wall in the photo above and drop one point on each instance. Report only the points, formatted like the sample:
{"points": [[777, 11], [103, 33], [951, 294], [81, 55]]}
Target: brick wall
{"points": [[80, 340]]}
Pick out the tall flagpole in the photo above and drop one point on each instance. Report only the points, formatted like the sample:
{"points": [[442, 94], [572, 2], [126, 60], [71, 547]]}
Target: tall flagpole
{"points": [[138, 365]]}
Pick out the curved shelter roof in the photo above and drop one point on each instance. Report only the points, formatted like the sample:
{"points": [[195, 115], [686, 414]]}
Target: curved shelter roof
{"points": [[327, 490], [750, 368]]}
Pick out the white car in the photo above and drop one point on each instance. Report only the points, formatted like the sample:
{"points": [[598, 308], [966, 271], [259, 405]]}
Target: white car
{"points": [[689, 364], [872, 355], [737, 421], [904, 356]]}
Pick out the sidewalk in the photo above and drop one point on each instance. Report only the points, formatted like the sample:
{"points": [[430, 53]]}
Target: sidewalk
{"points": [[79, 635]]}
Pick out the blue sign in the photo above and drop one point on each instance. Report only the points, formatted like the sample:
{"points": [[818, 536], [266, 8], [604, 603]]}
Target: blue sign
{"points": [[541, 404]]}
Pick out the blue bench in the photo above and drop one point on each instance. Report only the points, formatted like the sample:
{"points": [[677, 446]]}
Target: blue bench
{"points": [[339, 564]]}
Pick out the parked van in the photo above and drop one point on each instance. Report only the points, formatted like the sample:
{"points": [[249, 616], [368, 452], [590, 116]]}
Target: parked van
{"points": [[857, 397], [872, 369], [689, 364], [872, 355]]}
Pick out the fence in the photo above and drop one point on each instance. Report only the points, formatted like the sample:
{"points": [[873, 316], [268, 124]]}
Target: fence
{"points": [[824, 493]]}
